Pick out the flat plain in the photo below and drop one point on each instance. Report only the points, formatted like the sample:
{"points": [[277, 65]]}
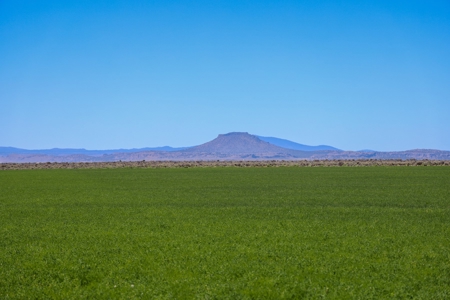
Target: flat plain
{"points": [[223, 232]]}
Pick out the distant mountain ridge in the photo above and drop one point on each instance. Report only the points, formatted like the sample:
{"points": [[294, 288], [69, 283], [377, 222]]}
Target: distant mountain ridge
{"points": [[230, 146], [72, 151]]}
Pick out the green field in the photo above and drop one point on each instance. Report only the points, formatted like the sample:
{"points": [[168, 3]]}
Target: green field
{"points": [[251, 233]]}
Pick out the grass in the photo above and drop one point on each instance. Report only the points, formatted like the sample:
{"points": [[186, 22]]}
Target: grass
{"points": [[250, 233]]}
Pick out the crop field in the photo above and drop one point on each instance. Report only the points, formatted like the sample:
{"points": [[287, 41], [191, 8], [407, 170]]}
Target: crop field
{"points": [[233, 233]]}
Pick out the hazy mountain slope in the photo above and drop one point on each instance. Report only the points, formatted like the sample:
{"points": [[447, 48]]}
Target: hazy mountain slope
{"points": [[295, 146]]}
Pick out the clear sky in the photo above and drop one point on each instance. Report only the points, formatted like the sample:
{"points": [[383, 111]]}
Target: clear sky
{"points": [[130, 74]]}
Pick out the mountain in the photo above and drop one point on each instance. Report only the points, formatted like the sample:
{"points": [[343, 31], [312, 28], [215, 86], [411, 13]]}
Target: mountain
{"points": [[230, 146], [295, 146], [237, 142], [233, 142]]}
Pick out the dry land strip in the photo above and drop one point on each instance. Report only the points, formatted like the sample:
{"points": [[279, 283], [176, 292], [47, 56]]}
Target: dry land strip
{"points": [[223, 163]]}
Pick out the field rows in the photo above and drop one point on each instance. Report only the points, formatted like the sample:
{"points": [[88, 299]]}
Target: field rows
{"points": [[234, 233]]}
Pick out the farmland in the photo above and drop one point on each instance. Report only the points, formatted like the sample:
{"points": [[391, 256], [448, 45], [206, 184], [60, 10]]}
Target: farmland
{"points": [[224, 232]]}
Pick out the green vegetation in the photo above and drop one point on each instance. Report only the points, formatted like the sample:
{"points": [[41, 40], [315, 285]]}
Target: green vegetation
{"points": [[287, 232]]}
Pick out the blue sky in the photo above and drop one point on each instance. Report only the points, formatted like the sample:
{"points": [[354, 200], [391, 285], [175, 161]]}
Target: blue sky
{"points": [[128, 74]]}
